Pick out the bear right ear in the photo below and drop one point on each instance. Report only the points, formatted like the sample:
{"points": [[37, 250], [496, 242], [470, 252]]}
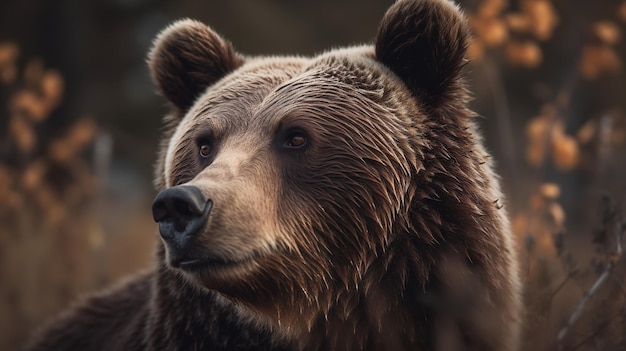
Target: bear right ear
{"points": [[424, 43], [187, 57]]}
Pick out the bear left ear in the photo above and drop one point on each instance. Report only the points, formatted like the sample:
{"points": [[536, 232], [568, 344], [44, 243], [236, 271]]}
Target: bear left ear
{"points": [[424, 43], [188, 57]]}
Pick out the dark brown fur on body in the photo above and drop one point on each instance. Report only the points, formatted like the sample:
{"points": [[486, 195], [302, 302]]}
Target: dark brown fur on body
{"points": [[382, 232], [154, 311]]}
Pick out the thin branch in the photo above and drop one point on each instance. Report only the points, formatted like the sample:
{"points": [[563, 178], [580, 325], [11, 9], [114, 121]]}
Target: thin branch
{"points": [[570, 274], [583, 302], [594, 288], [596, 331]]}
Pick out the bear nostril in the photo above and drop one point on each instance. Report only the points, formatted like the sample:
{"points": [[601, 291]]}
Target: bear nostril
{"points": [[184, 209], [180, 211], [160, 213]]}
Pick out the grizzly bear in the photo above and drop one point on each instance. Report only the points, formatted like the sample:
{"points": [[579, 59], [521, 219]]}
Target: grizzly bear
{"points": [[338, 202]]}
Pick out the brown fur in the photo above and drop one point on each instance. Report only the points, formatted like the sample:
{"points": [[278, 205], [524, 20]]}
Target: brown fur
{"points": [[384, 232]]}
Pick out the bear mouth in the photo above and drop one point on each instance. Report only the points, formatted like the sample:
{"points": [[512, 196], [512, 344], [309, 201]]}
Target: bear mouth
{"points": [[192, 265]]}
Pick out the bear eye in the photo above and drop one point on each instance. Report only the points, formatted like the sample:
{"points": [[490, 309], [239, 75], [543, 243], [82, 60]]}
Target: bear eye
{"points": [[205, 150], [296, 140]]}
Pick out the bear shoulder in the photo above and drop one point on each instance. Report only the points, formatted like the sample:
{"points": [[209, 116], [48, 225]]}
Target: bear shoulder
{"points": [[151, 311], [104, 321]]}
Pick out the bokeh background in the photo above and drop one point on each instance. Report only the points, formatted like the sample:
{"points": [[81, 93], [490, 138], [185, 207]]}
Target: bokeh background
{"points": [[80, 125]]}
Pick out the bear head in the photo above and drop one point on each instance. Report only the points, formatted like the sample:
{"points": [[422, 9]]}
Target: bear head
{"points": [[302, 187]]}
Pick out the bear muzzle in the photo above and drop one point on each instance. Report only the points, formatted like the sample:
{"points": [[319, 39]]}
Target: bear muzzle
{"points": [[181, 212]]}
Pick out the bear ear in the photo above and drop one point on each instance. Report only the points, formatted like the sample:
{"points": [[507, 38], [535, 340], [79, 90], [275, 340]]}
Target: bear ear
{"points": [[186, 58], [424, 43]]}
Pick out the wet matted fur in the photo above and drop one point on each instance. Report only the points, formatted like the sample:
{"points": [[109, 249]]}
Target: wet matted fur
{"points": [[381, 228]]}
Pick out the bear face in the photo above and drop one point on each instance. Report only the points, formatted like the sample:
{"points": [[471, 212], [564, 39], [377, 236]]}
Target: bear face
{"points": [[327, 193]]}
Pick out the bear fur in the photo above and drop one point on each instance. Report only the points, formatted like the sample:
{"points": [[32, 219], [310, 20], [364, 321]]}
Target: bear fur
{"points": [[354, 206]]}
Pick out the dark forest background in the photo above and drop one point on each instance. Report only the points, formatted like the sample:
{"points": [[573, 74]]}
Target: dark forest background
{"points": [[80, 124]]}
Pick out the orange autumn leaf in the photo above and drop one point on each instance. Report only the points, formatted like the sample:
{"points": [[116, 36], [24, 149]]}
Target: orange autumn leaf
{"points": [[565, 151], [23, 134], [495, 33], [8, 55], [536, 148], [557, 215], [52, 88], [68, 147], [33, 176], [537, 134], [586, 133], [519, 22], [550, 191], [537, 127], [60, 151], [597, 60], [25, 103], [83, 131], [606, 32], [490, 31], [527, 54], [542, 16], [491, 8]]}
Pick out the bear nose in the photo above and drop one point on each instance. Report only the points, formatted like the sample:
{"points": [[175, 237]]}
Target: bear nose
{"points": [[180, 211]]}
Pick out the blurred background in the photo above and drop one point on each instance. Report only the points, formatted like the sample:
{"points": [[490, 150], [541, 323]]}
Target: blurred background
{"points": [[80, 125]]}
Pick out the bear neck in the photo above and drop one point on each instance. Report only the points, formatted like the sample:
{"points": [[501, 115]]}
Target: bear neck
{"points": [[382, 319], [385, 313], [386, 310], [184, 316]]}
